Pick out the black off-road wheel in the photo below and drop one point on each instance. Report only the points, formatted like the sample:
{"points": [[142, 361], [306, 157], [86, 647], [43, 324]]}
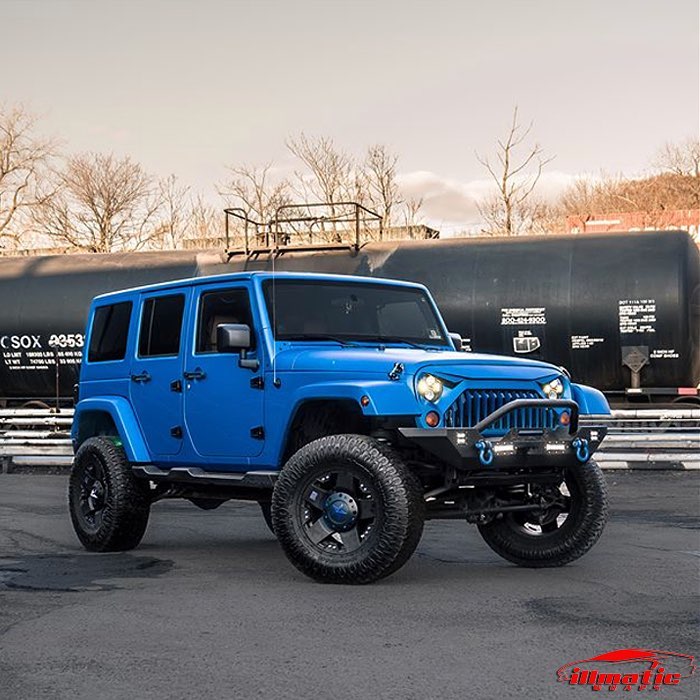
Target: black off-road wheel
{"points": [[109, 507], [347, 510], [562, 533]]}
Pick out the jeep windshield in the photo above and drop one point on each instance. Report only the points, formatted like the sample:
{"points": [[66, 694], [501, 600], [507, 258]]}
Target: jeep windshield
{"points": [[352, 312]]}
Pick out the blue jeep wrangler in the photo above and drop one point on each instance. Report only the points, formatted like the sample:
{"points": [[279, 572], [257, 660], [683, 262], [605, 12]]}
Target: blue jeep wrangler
{"points": [[342, 406]]}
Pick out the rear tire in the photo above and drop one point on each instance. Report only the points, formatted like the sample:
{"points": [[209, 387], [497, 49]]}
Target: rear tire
{"points": [[266, 510], [109, 507], [347, 510], [516, 538]]}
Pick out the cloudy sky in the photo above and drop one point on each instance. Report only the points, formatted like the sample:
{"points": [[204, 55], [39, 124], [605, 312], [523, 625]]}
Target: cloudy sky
{"points": [[187, 86]]}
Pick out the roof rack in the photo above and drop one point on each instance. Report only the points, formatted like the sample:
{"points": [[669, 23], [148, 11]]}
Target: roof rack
{"points": [[298, 227]]}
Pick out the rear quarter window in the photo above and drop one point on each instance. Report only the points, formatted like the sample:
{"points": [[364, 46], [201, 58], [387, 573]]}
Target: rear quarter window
{"points": [[161, 326], [109, 333]]}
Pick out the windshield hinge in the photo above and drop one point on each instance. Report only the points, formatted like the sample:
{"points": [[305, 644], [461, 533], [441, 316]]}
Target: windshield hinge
{"points": [[257, 383], [396, 372]]}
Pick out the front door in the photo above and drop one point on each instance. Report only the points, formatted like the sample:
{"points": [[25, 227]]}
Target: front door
{"points": [[223, 409], [156, 371]]}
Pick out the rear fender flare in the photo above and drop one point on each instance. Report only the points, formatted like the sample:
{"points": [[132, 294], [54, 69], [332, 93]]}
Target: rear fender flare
{"points": [[124, 419]]}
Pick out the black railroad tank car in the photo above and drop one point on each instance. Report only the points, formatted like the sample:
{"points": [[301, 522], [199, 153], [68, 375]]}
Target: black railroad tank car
{"points": [[43, 309], [620, 311]]}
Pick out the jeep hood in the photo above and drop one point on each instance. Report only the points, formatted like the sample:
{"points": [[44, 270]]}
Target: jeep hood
{"points": [[373, 361]]}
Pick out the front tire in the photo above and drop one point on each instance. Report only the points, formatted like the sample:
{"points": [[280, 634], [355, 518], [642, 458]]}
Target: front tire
{"points": [[560, 537], [347, 510], [109, 507]]}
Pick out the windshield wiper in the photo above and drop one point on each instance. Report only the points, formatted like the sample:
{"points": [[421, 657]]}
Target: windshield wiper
{"points": [[317, 336]]}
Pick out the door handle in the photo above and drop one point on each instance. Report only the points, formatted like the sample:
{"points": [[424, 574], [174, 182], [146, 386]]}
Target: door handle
{"points": [[141, 378], [196, 373]]}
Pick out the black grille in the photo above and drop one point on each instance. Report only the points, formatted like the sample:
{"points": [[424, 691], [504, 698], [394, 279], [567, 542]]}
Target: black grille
{"points": [[474, 405]]}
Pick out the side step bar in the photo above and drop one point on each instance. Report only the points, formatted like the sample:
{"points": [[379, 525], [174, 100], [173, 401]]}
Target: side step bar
{"points": [[194, 475]]}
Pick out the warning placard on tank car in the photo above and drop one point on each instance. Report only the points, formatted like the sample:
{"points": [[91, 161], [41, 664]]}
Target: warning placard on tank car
{"points": [[523, 316], [637, 315]]}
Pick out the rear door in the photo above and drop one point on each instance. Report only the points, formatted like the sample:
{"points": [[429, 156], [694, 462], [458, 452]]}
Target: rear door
{"points": [[156, 370]]}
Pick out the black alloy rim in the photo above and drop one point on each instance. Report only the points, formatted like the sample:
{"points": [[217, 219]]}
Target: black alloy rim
{"points": [[94, 493], [337, 511], [561, 507]]}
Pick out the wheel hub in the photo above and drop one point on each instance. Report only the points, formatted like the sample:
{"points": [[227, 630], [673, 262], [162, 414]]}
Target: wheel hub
{"points": [[95, 496], [340, 511]]}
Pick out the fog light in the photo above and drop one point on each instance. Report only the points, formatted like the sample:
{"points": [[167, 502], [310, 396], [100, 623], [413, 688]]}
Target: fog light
{"points": [[432, 418], [565, 418]]}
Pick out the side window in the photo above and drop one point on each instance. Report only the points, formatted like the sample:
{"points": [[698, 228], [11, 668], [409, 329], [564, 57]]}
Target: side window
{"points": [[161, 326], [223, 306], [110, 330]]}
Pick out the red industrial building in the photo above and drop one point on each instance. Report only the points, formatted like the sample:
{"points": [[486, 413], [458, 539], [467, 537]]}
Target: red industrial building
{"points": [[609, 222]]}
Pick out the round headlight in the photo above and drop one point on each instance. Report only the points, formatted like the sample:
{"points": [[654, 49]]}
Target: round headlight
{"points": [[553, 389], [429, 387]]}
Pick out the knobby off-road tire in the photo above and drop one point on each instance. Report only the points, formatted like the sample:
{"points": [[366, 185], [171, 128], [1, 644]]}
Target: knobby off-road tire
{"points": [[329, 480], [266, 510], [509, 537], [109, 507]]}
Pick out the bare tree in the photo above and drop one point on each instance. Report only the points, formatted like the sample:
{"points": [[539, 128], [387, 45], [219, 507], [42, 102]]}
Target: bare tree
{"points": [[24, 162], [652, 199], [205, 221], [103, 204], [379, 169], [680, 158], [254, 189], [176, 213], [506, 213], [412, 213], [683, 160], [331, 176]]}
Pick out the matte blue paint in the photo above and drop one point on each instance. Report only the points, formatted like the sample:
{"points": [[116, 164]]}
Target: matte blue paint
{"points": [[122, 414]]}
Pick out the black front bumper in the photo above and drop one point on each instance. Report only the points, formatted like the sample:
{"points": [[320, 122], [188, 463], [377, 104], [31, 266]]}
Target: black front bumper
{"points": [[472, 448]]}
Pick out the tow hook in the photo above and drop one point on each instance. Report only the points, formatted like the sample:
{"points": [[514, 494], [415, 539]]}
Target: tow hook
{"points": [[485, 449], [580, 445]]}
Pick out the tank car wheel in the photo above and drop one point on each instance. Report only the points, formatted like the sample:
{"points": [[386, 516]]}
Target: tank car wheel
{"points": [[109, 507], [561, 534], [346, 510]]}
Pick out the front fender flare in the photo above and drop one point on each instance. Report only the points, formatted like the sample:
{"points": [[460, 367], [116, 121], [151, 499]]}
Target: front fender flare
{"points": [[122, 414], [590, 400]]}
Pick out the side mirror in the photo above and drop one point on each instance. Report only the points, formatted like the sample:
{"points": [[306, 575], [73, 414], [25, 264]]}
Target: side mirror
{"points": [[457, 340], [232, 337], [235, 337]]}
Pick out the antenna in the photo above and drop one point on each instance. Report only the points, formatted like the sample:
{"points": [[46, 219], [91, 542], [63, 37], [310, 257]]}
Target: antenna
{"points": [[274, 305]]}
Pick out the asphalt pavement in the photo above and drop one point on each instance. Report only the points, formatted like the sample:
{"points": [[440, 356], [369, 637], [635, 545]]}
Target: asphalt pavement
{"points": [[208, 606]]}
